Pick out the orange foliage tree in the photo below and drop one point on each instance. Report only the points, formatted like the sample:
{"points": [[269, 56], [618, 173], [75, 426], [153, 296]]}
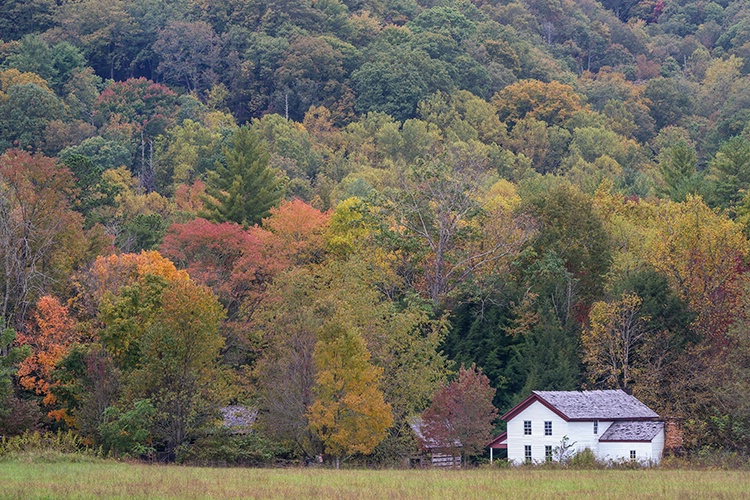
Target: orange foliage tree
{"points": [[51, 336]]}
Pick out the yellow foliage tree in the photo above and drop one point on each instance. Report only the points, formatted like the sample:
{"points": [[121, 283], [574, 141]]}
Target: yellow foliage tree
{"points": [[702, 253], [609, 342], [552, 102], [349, 414]]}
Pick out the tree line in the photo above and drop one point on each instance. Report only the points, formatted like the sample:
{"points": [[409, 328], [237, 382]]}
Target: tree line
{"points": [[324, 211]]}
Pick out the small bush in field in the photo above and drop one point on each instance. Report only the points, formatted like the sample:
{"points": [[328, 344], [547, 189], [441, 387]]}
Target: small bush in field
{"points": [[224, 448], [585, 459], [47, 447]]}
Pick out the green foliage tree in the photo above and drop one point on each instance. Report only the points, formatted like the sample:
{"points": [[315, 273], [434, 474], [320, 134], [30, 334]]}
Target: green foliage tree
{"points": [[573, 232], [22, 17], [730, 172], [10, 357], [179, 368], [678, 171], [244, 189]]}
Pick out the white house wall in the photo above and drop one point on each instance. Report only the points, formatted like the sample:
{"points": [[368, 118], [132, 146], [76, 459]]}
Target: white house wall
{"points": [[538, 414], [649, 452], [657, 447], [582, 434], [621, 451]]}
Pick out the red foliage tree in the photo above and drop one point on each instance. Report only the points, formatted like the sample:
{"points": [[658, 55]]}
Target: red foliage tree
{"points": [[461, 415], [211, 254]]}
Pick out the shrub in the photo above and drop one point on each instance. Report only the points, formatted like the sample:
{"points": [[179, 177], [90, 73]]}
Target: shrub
{"points": [[585, 459], [223, 448], [47, 447]]}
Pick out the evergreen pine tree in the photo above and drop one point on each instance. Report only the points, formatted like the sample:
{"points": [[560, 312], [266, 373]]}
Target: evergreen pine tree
{"points": [[244, 188]]}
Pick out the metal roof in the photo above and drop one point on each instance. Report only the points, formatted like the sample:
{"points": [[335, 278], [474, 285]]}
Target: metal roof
{"points": [[597, 405], [632, 431]]}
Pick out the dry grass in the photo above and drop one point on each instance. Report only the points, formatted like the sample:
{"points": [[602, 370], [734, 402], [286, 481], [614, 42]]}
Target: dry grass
{"points": [[119, 480]]}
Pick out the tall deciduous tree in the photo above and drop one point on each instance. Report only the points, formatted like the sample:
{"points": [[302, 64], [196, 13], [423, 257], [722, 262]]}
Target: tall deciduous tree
{"points": [[460, 419], [449, 234], [179, 370], [189, 53], [552, 102], [244, 189], [40, 236], [610, 342], [701, 253], [349, 413]]}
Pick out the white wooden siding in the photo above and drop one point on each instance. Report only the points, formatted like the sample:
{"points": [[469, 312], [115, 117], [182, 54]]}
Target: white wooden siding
{"points": [[657, 447], [538, 414], [580, 434]]}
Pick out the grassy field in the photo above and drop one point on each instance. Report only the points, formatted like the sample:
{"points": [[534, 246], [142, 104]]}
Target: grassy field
{"points": [[119, 480]]}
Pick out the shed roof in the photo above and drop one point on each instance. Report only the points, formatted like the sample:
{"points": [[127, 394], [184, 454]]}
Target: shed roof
{"points": [[588, 405], [632, 431], [238, 418], [499, 442], [417, 426]]}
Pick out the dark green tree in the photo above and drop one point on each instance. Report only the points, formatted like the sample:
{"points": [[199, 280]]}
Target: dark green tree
{"points": [[243, 188], [9, 358], [730, 172], [679, 173]]}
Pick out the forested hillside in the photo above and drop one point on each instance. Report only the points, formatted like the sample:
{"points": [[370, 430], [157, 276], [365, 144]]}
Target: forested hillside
{"points": [[321, 210]]}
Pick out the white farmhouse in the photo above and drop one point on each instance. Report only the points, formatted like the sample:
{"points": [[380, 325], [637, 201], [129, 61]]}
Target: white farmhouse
{"points": [[612, 424]]}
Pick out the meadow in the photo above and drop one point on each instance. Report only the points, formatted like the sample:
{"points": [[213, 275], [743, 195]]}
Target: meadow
{"points": [[104, 479]]}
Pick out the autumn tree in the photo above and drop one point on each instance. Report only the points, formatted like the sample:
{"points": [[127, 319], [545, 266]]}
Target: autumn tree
{"points": [[701, 253], [40, 237], [179, 369], [402, 339], [244, 189], [460, 418], [160, 332], [49, 341], [211, 254], [349, 413], [446, 228], [552, 102], [610, 342]]}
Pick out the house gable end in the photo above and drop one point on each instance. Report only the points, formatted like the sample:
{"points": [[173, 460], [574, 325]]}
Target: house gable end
{"points": [[528, 402]]}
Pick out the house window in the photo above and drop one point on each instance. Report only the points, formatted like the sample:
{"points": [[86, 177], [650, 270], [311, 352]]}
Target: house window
{"points": [[632, 454], [548, 428], [596, 427], [527, 453], [527, 427], [548, 453]]}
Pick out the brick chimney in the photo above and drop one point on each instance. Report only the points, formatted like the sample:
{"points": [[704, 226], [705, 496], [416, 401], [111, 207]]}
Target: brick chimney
{"points": [[673, 436]]}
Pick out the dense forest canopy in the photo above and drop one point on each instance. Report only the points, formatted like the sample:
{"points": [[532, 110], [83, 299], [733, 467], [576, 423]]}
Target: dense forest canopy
{"points": [[325, 210]]}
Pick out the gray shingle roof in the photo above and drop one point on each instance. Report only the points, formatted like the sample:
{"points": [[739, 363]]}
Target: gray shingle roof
{"points": [[417, 426], [238, 418], [632, 431], [597, 405]]}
